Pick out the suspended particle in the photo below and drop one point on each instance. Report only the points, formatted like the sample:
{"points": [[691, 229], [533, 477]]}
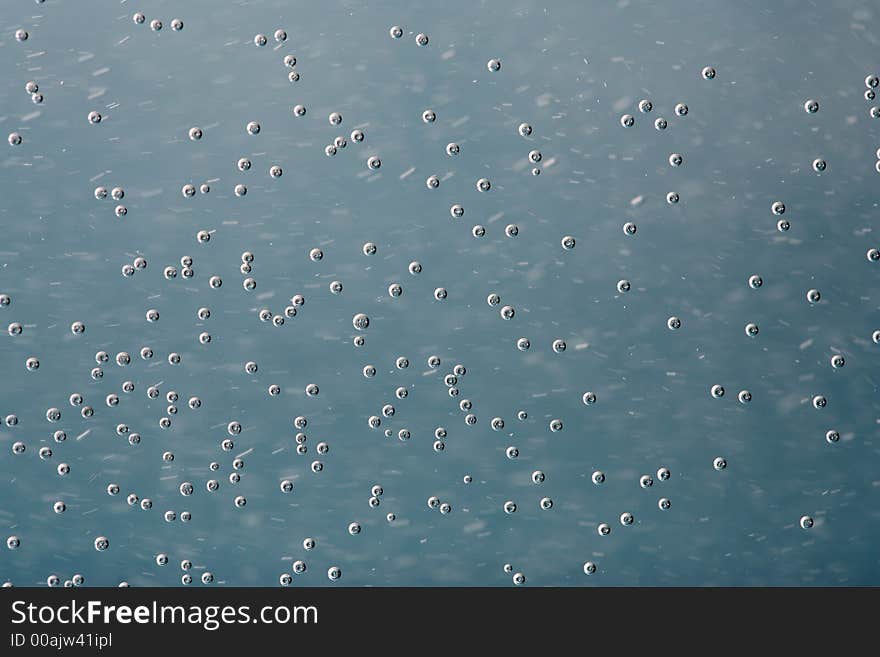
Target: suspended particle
{"points": [[360, 322]]}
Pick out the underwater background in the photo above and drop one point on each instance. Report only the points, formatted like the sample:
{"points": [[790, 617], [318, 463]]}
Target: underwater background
{"points": [[586, 226]]}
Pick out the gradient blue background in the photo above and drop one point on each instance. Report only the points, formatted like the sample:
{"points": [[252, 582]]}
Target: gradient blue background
{"points": [[570, 69]]}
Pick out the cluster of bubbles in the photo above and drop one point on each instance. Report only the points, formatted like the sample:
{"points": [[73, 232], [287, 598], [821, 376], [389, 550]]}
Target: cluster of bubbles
{"points": [[386, 414]]}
